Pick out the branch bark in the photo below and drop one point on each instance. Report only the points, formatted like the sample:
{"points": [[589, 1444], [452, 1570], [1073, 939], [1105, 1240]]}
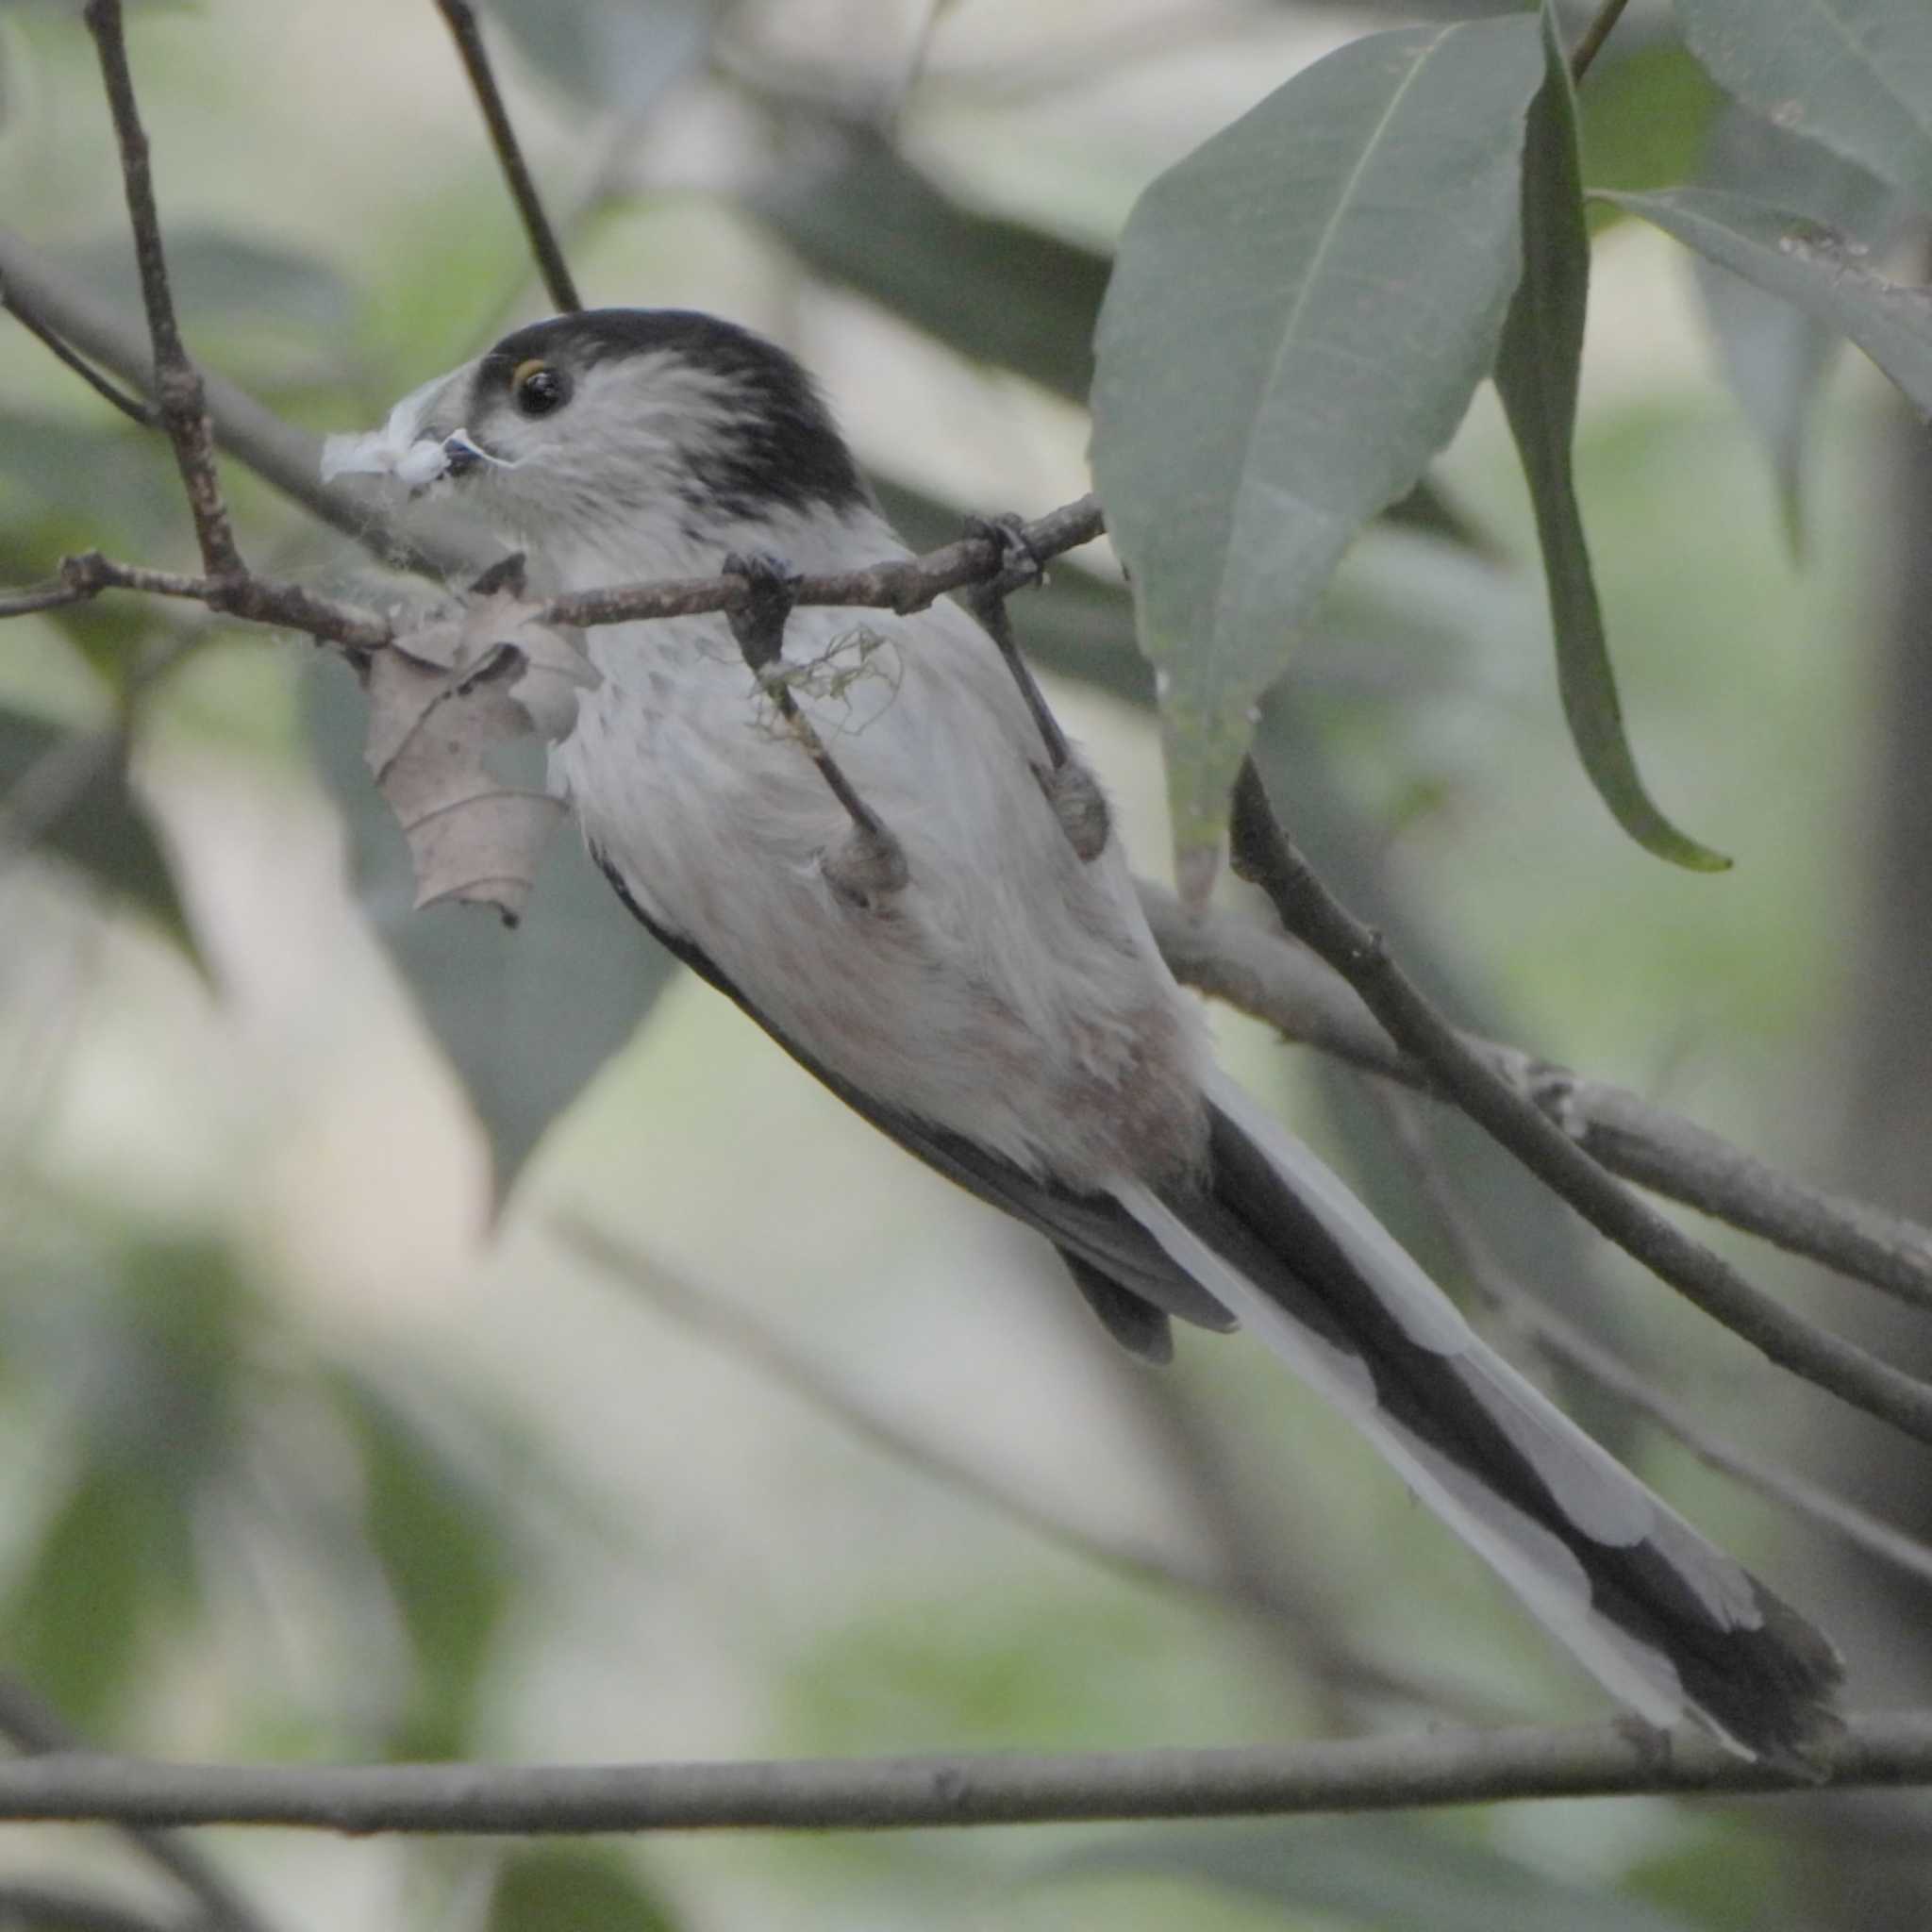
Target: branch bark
{"points": [[1264, 854], [1428, 1769], [177, 382], [33, 1729], [1234, 961], [461, 17]]}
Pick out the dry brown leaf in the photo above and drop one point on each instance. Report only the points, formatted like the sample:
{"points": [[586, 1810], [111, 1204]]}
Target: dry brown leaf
{"points": [[439, 699]]}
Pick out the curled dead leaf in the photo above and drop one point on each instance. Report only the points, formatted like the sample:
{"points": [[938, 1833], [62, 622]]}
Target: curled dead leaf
{"points": [[440, 699]]}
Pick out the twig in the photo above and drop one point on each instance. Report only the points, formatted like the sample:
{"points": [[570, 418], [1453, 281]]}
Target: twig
{"points": [[1433, 1768], [177, 384], [461, 18], [1264, 854], [1279, 981], [289, 459], [34, 1730], [46, 597], [1595, 35], [129, 406], [904, 586], [1561, 1341], [258, 600]]}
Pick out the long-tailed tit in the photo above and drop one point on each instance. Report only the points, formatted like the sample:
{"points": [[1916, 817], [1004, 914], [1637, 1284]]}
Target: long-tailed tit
{"points": [[980, 984]]}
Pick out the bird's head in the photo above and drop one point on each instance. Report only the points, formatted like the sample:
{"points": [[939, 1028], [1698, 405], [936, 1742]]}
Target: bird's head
{"points": [[616, 419]]}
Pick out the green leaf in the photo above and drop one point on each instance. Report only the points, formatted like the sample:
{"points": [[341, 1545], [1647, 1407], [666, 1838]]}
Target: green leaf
{"points": [[1537, 374], [527, 1017], [95, 824], [1381, 1873], [1775, 355], [1855, 74], [563, 1889], [617, 54], [1301, 310], [994, 289], [1810, 264]]}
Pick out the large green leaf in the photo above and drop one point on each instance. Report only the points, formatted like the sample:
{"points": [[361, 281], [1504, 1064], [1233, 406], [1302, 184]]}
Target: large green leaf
{"points": [[1855, 74], [996, 289], [98, 826], [1774, 355], [1382, 1873], [526, 1017], [1810, 264], [1301, 310], [1537, 372]]}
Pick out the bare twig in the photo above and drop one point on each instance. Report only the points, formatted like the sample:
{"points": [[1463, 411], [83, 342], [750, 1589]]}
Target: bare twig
{"points": [[286, 457], [35, 1730], [1595, 35], [1264, 854], [257, 600], [1277, 980], [177, 383], [1435, 1768], [904, 586], [1561, 1341], [129, 406], [461, 18], [43, 598]]}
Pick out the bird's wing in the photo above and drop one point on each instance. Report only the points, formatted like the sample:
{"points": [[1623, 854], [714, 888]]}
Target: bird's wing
{"points": [[1103, 1243]]}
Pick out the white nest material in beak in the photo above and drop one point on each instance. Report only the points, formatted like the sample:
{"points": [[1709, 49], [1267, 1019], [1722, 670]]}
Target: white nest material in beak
{"points": [[396, 449]]}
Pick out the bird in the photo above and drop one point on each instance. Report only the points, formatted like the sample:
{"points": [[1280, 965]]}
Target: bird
{"points": [[863, 828]]}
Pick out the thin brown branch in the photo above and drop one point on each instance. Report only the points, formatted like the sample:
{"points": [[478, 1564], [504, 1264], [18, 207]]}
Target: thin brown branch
{"points": [[1435, 1768], [1264, 854], [904, 586], [255, 600], [34, 1730], [1595, 35], [43, 598], [129, 406], [284, 456], [177, 383], [461, 18], [1562, 1342], [1277, 980]]}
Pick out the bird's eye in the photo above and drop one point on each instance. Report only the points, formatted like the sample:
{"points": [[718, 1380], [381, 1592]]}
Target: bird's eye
{"points": [[539, 389]]}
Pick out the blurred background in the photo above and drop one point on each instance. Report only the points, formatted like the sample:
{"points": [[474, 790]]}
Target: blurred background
{"points": [[325, 1433]]}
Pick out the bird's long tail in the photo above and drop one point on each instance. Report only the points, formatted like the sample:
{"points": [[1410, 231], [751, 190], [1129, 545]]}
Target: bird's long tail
{"points": [[1662, 1617]]}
